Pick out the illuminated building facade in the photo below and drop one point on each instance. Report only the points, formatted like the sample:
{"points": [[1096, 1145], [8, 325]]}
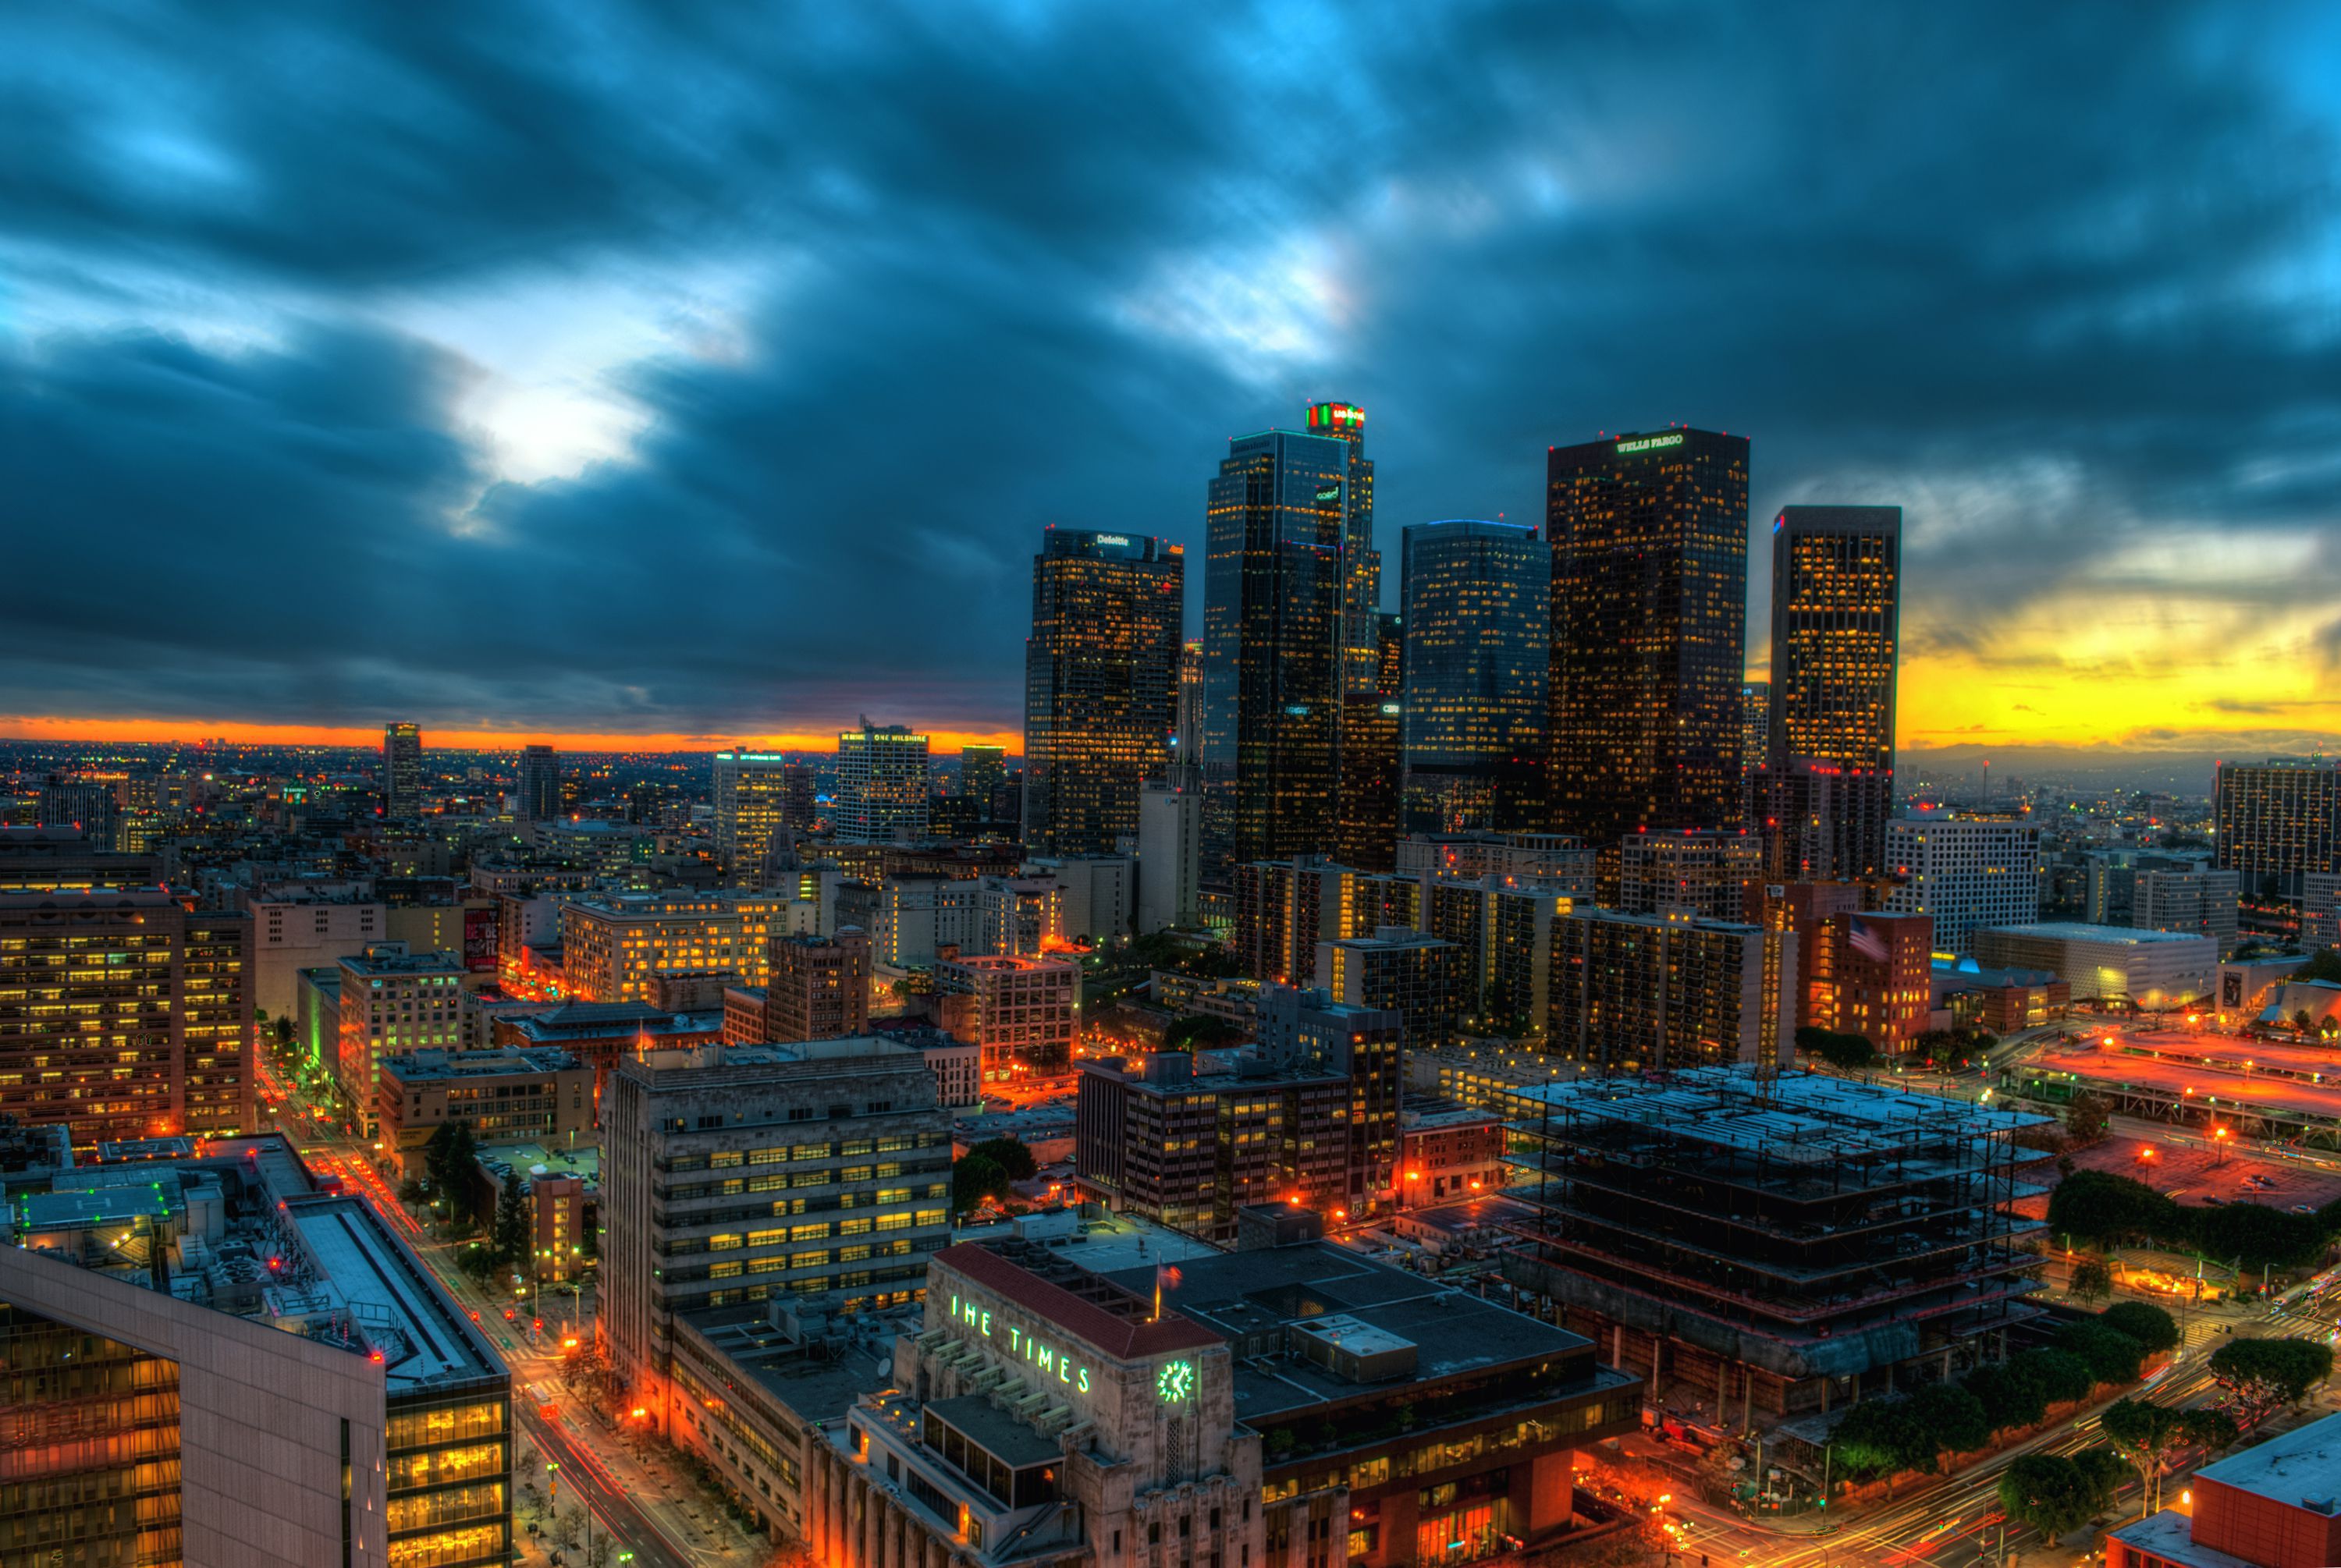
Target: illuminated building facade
{"points": [[1873, 975], [1478, 650], [982, 771], [1024, 1013], [1101, 684], [1368, 806], [122, 1014], [1284, 908], [752, 811], [402, 769], [1047, 1410], [1967, 872], [2276, 822], [1361, 576], [1275, 582], [1696, 874], [536, 797], [1650, 587], [391, 1001], [1639, 993], [1187, 728], [613, 948], [1829, 756], [818, 1172], [1420, 977], [274, 1381], [818, 987], [882, 784]]}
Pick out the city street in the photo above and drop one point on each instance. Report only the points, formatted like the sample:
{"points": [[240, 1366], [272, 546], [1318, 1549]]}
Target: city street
{"points": [[643, 1512]]}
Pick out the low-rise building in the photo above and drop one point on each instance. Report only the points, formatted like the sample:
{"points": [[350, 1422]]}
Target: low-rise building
{"points": [[507, 1097], [563, 1187], [2150, 969], [599, 1033], [1448, 1152], [1873, 975], [1023, 1012], [2000, 1001], [2270, 1506], [1271, 1402]]}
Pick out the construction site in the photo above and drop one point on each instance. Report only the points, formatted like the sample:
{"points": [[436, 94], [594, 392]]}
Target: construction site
{"points": [[1759, 1245]]}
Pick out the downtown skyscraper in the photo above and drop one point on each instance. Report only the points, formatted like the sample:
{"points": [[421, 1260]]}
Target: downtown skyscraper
{"points": [[1477, 618], [1361, 572], [536, 794], [1649, 624], [882, 784], [1275, 591], [1101, 684], [751, 818], [1828, 787], [402, 769]]}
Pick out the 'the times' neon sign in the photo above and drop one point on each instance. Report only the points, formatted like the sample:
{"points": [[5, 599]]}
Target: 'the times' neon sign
{"points": [[1042, 1358]]}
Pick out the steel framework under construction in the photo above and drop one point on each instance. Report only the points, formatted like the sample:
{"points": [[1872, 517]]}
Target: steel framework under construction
{"points": [[1799, 1231]]}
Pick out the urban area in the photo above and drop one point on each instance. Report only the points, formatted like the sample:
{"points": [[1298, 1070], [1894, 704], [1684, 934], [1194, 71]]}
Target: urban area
{"points": [[1480, 1082]]}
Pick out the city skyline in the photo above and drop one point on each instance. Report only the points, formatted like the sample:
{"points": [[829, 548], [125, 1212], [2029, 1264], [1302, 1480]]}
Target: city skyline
{"points": [[551, 388]]}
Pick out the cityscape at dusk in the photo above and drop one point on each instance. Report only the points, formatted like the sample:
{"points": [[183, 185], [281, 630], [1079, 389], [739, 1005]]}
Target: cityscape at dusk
{"points": [[1044, 786]]}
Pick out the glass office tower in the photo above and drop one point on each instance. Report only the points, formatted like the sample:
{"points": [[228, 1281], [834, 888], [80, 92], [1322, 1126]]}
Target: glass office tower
{"points": [[1361, 572], [1649, 625], [1101, 684], [1478, 614], [1274, 584]]}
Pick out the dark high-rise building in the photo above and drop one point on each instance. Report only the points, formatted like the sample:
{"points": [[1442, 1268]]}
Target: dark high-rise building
{"points": [[1361, 572], [1187, 731], [1367, 809], [2275, 823], [1649, 589], [1272, 616], [1101, 684], [83, 806], [1755, 735], [402, 769], [537, 798], [797, 804], [1389, 653], [1828, 761], [981, 770], [1478, 614]]}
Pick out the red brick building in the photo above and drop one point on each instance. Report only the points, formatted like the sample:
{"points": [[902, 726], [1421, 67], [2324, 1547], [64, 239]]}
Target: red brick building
{"points": [[1448, 1152], [1873, 974], [2278, 1505]]}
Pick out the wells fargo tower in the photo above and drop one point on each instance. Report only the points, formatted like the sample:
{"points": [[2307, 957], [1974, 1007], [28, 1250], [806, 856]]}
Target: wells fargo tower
{"points": [[1649, 625], [1101, 684]]}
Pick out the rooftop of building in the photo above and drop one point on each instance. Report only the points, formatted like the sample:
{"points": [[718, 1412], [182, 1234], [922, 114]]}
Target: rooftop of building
{"points": [[2170, 1535], [447, 1067], [1010, 963], [1453, 1334], [2082, 931], [579, 1020], [1115, 1316], [1965, 969], [815, 1382], [79, 899], [375, 961], [1794, 1119], [2303, 1464], [583, 1161], [676, 1067], [243, 1228]]}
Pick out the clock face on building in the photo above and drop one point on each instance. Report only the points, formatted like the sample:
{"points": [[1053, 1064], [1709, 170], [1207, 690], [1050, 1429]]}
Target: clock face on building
{"points": [[1175, 1382]]}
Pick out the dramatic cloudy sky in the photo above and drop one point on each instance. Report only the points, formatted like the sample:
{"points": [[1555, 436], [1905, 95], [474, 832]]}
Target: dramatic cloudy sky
{"points": [[690, 371]]}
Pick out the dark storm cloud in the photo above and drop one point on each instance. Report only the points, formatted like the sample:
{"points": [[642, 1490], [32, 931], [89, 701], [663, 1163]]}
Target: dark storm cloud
{"points": [[2060, 279]]}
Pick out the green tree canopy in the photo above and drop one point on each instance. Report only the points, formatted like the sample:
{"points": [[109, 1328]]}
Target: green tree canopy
{"points": [[2092, 1278], [2050, 1492], [2325, 965], [2260, 1236], [2153, 1328], [2111, 1356], [448, 1159], [1952, 1416], [2009, 1397], [2262, 1376], [2061, 1375], [2148, 1435], [975, 1177], [2087, 1117], [515, 1226], [1847, 1053], [1881, 1437], [2099, 1206], [1009, 1154]]}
